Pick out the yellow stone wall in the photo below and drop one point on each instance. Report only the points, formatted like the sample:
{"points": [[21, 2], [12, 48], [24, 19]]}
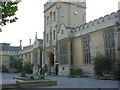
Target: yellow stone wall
{"points": [[77, 51], [64, 70], [96, 45], [72, 20]]}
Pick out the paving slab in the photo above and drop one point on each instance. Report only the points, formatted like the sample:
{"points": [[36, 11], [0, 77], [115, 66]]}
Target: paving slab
{"points": [[65, 82]]}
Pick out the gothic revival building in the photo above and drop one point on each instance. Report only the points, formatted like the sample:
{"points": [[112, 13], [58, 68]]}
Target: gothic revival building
{"points": [[71, 42], [33, 54]]}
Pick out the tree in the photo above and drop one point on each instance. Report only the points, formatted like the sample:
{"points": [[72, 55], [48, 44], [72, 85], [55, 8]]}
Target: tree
{"points": [[8, 12], [103, 64], [116, 70], [16, 63], [28, 67]]}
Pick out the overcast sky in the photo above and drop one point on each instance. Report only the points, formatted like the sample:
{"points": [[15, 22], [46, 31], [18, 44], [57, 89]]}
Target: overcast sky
{"points": [[31, 19]]}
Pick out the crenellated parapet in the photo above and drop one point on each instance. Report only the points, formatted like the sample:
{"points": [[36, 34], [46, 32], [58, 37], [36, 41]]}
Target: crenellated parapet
{"points": [[97, 24], [8, 53]]}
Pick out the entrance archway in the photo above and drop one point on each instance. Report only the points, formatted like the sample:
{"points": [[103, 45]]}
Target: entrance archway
{"points": [[51, 59]]}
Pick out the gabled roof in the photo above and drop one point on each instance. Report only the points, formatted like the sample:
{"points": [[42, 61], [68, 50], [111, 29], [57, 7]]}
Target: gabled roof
{"points": [[7, 47]]}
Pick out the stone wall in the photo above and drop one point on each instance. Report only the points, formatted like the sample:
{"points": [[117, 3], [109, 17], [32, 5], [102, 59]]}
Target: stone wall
{"points": [[64, 70], [5, 60], [77, 51]]}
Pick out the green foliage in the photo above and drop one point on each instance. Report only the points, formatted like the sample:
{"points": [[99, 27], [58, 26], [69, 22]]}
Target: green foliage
{"points": [[76, 71], [4, 69], [44, 70], [8, 12], [19, 65], [116, 70], [32, 78], [103, 64], [23, 74], [16, 63], [28, 67], [41, 77]]}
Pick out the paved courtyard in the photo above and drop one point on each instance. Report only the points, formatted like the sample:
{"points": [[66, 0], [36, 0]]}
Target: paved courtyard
{"points": [[65, 82]]}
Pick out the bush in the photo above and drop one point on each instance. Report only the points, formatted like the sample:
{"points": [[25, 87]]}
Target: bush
{"points": [[28, 67], [103, 65], [116, 70], [32, 78], [4, 69], [23, 74], [76, 71], [16, 63], [41, 77]]}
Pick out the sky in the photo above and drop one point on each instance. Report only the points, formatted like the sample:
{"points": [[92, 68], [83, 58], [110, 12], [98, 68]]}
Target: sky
{"points": [[31, 19]]}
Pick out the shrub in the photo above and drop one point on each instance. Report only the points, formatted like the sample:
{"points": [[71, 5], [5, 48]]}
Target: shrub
{"points": [[16, 63], [23, 74], [103, 64], [76, 71], [32, 78], [116, 70], [41, 77], [28, 67], [4, 69]]}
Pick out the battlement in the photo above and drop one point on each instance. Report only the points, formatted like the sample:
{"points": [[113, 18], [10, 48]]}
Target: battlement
{"points": [[97, 24], [8, 53], [74, 2]]}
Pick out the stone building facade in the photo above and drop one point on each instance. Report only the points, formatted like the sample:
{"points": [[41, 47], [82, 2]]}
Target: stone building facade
{"points": [[28, 54], [33, 54], [8, 54], [71, 42]]}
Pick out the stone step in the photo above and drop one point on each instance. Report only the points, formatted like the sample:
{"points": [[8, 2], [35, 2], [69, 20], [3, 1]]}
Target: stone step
{"points": [[10, 86]]}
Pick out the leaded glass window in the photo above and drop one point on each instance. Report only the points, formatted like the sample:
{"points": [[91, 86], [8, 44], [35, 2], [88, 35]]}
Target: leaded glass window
{"points": [[86, 50], [110, 44], [63, 54]]}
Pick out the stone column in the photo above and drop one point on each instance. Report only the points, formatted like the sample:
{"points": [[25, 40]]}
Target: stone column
{"points": [[23, 59], [54, 55], [46, 58], [69, 52], [1, 60], [43, 58], [31, 57], [38, 56], [54, 52]]}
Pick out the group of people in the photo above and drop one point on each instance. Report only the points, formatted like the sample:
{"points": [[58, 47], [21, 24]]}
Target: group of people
{"points": [[40, 71], [43, 71]]}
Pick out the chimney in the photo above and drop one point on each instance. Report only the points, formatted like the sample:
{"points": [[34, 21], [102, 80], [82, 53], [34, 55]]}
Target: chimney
{"points": [[36, 36], [21, 44], [30, 41]]}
